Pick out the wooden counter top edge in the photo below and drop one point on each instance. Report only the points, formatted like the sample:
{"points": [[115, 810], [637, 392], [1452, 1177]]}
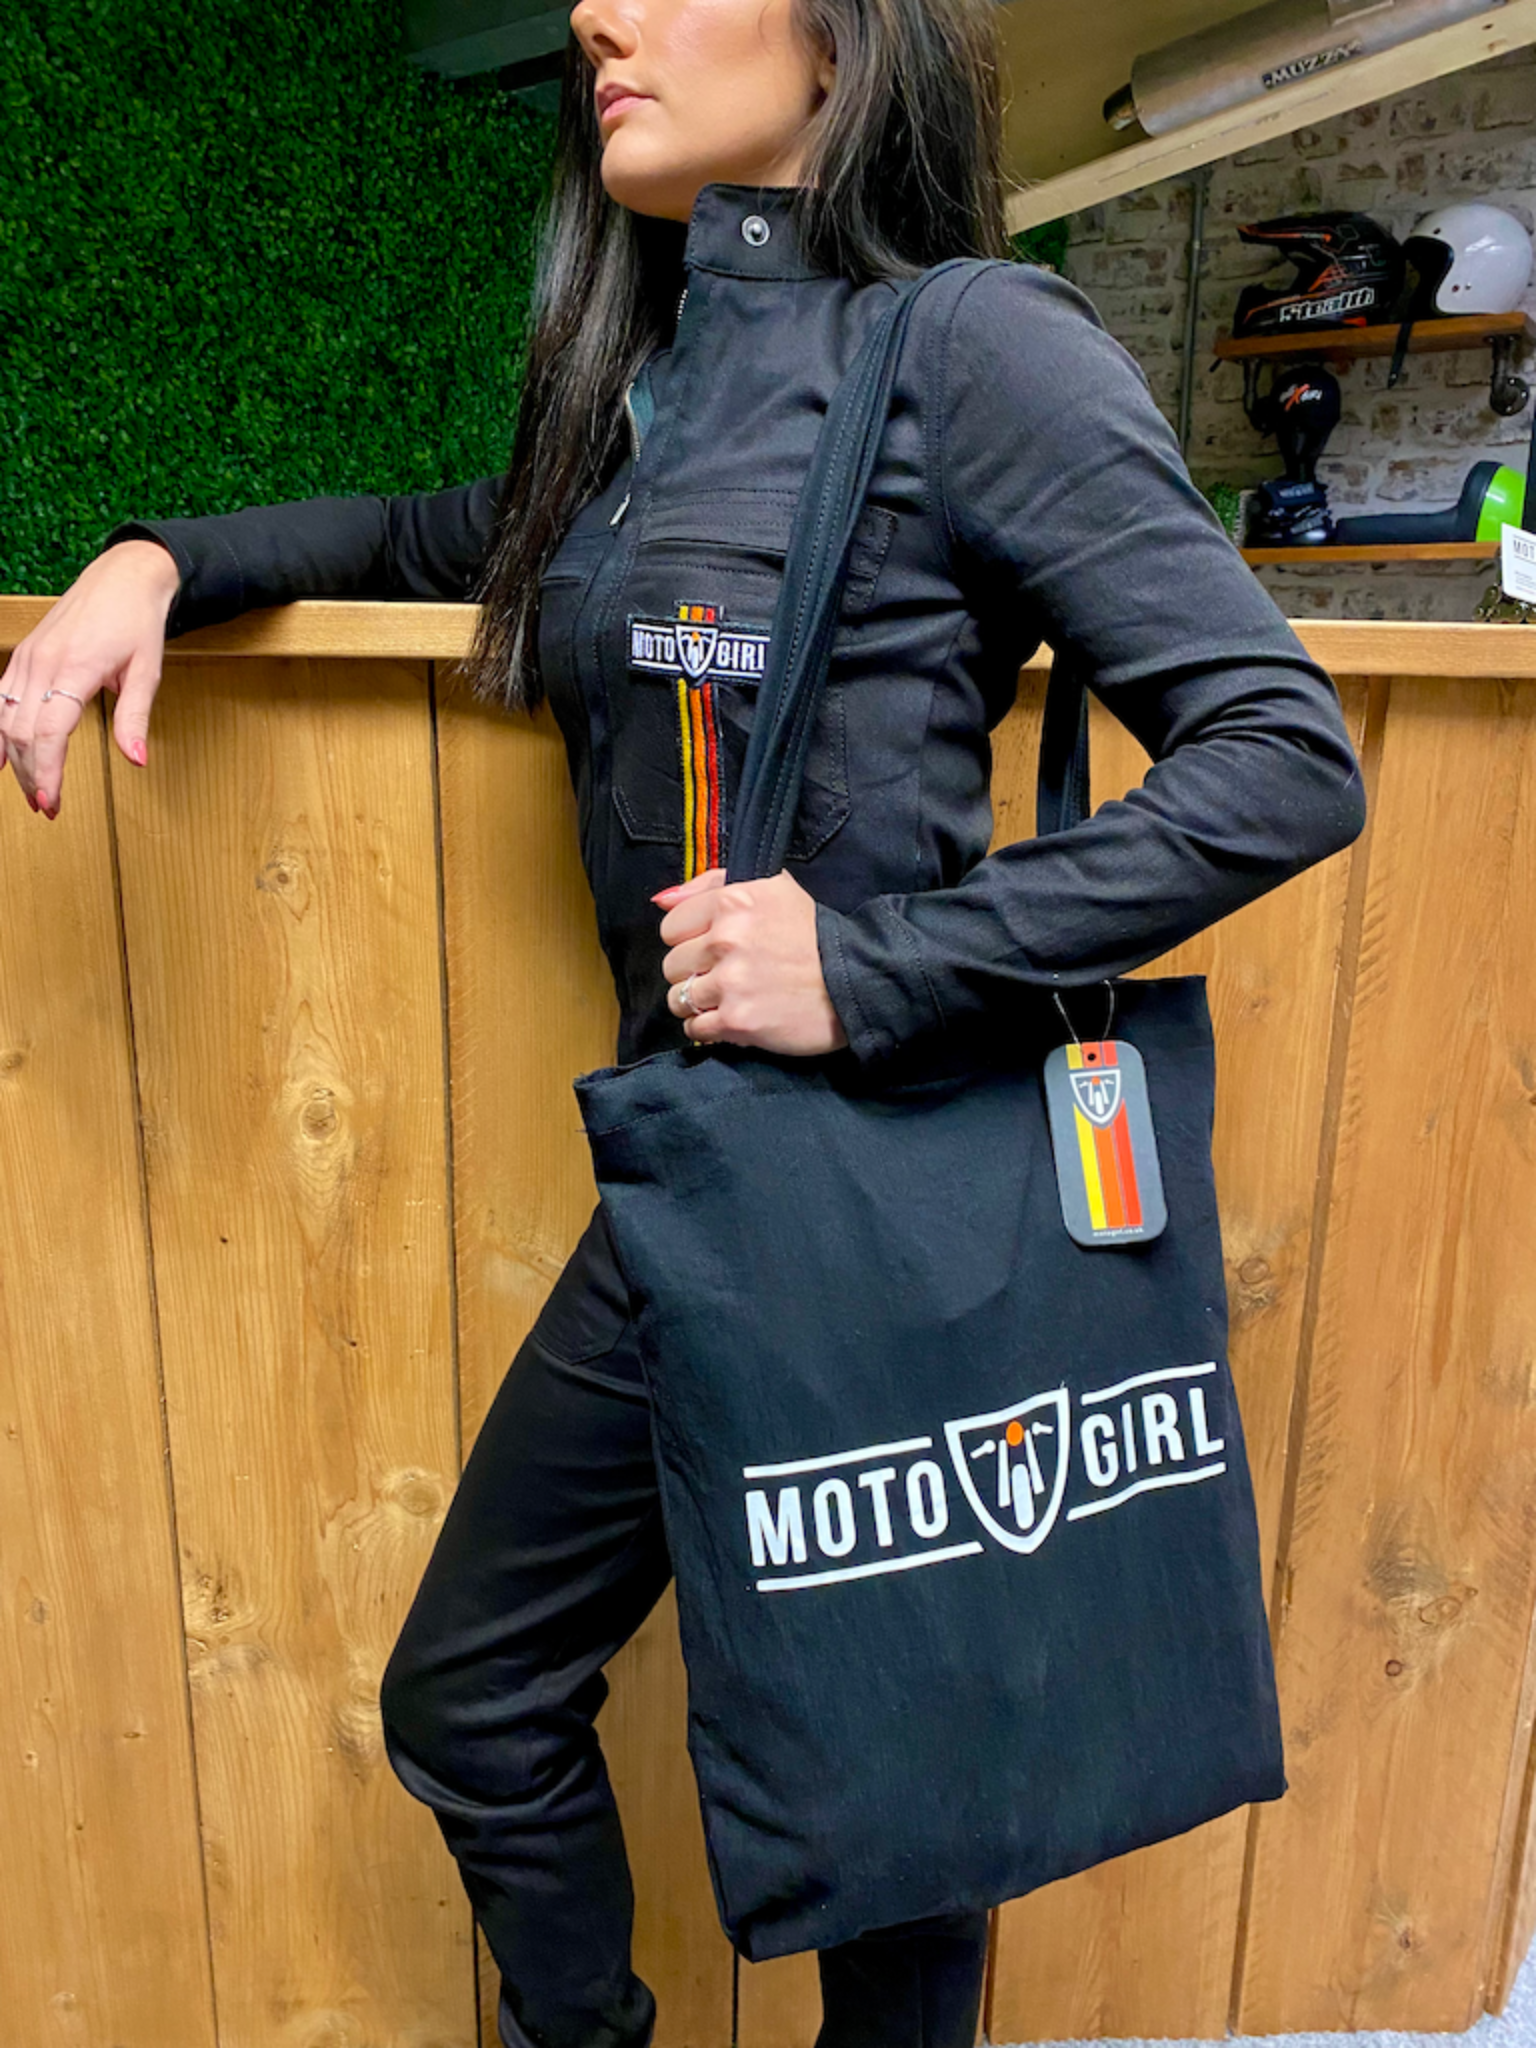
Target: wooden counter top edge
{"points": [[344, 629]]}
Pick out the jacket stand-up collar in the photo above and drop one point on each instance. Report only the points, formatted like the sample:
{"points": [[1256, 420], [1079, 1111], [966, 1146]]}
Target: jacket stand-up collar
{"points": [[726, 233]]}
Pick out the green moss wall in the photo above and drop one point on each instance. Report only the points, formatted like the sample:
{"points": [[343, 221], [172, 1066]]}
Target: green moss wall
{"points": [[248, 252]]}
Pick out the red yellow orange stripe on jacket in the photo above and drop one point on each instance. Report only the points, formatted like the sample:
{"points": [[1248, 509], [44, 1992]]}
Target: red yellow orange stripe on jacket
{"points": [[699, 731]]}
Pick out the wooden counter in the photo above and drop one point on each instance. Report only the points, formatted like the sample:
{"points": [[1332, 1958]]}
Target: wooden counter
{"points": [[334, 629], [288, 1023]]}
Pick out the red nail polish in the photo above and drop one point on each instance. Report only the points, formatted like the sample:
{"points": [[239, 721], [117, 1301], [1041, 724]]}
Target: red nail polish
{"points": [[136, 750]]}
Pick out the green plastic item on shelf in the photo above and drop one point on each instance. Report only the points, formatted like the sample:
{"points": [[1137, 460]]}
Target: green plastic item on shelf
{"points": [[1503, 503], [1226, 500]]}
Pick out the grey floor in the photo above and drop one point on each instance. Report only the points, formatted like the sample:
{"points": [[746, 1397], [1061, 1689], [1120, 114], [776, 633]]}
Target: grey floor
{"points": [[1515, 2027]]}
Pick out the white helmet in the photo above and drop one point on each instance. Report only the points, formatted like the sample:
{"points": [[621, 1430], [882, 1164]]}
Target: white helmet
{"points": [[1471, 258]]}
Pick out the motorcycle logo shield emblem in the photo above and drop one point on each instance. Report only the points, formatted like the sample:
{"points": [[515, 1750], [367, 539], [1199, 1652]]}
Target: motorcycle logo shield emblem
{"points": [[1012, 1466], [696, 649], [1097, 1093]]}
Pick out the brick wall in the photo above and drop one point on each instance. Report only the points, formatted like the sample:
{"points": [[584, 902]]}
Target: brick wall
{"points": [[1468, 136]]}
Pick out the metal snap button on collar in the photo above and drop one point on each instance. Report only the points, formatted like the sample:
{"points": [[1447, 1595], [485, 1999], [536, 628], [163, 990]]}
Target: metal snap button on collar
{"points": [[755, 229]]}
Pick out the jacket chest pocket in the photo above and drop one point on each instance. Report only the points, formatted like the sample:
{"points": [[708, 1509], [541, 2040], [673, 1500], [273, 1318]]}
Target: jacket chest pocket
{"points": [[563, 590], [696, 612]]}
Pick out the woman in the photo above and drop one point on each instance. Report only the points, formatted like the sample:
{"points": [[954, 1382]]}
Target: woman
{"points": [[734, 181]]}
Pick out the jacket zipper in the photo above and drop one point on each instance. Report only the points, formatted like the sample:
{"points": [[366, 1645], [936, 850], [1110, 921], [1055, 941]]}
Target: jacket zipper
{"points": [[634, 451], [634, 429]]}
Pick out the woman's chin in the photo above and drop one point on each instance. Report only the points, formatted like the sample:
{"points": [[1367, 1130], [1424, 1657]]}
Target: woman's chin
{"points": [[634, 178]]}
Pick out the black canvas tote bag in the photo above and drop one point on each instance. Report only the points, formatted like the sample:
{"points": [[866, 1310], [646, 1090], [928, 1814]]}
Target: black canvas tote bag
{"points": [[967, 1565]]}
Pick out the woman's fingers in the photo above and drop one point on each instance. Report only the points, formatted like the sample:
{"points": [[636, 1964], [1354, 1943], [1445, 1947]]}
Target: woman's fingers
{"points": [[12, 689], [41, 703], [60, 708], [678, 892], [693, 957], [107, 631], [130, 718], [20, 702], [37, 726], [706, 1029], [688, 956], [700, 997]]}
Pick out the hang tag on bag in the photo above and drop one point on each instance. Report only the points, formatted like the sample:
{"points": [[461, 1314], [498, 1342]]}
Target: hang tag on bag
{"points": [[1107, 1170]]}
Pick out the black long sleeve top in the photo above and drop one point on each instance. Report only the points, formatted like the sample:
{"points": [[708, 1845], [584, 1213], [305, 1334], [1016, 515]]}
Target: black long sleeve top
{"points": [[1027, 489]]}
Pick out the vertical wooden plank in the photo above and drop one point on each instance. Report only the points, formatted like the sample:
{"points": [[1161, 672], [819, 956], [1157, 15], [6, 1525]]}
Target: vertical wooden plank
{"points": [[279, 897], [1410, 1564], [680, 1948], [531, 1004], [1512, 1897], [779, 2002], [98, 1942], [1145, 1943]]}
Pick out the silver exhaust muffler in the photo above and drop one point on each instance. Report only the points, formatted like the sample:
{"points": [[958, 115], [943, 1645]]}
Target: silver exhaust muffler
{"points": [[1270, 46]]}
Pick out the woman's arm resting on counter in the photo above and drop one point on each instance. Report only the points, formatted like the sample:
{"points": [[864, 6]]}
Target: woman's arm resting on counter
{"points": [[1070, 509], [428, 545]]}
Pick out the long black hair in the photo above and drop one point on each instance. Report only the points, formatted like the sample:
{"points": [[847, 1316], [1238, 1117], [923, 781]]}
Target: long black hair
{"points": [[902, 168]]}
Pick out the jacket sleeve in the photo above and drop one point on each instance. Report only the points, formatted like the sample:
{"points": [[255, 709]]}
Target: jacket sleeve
{"points": [[425, 545], [1071, 518]]}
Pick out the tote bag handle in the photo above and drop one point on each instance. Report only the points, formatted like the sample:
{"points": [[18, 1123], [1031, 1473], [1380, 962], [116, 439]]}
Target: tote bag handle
{"points": [[805, 619]]}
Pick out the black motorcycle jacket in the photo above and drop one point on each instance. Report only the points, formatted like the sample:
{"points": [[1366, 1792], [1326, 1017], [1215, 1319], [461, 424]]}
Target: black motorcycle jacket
{"points": [[1027, 489]]}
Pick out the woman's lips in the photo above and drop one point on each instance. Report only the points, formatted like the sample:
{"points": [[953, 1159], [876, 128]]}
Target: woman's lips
{"points": [[628, 99]]}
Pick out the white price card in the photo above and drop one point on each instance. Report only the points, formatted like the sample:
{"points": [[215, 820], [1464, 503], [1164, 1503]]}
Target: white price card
{"points": [[1518, 563]]}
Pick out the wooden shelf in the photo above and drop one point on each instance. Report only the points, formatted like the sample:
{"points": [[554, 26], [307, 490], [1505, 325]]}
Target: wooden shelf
{"points": [[1404, 551], [1343, 344], [1058, 76]]}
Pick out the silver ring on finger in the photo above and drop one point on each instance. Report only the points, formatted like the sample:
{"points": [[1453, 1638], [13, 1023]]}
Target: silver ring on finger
{"points": [[58, 690], [9, 699], [685, 996]]}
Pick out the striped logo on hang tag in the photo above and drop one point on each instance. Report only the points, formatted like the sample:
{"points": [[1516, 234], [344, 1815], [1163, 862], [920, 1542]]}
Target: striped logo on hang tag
{"points": [[1107, 1169]]}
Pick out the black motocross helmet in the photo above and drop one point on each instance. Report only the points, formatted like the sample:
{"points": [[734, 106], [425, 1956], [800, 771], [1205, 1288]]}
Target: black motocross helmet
{"points": [[1349, 273]]}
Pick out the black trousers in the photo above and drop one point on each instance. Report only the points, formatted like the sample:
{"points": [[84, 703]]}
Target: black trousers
{"points": [[551, 1555]]}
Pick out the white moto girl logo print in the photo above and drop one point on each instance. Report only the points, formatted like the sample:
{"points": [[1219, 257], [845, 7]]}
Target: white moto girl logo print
{"points": [[888, 1507]]}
